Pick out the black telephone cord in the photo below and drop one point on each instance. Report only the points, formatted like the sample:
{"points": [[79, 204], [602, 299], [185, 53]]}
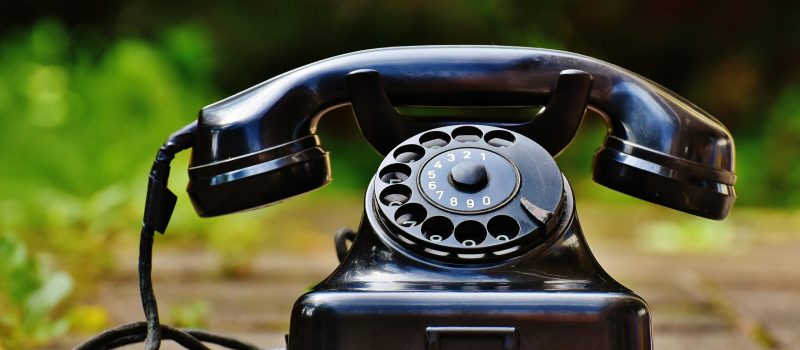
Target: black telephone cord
{"points": [[158, 209]]}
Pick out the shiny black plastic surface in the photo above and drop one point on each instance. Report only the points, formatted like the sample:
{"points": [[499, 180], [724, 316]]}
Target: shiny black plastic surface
{"points": [[656, 139], [386, 296], [259, 179], [424, 211]]}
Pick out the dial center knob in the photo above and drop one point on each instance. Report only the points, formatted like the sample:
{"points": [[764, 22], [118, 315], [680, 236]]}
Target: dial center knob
{"points": [[469, 176]]}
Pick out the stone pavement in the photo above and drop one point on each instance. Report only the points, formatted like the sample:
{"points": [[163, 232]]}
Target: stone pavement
{"points": [[745, 298]]}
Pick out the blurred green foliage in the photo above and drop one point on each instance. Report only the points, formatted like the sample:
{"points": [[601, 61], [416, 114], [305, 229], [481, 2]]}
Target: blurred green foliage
{"points": [[68, 181], [88, 91], [30, 291], [769, 162], [689, 236], [191, 315], [79, 121]]}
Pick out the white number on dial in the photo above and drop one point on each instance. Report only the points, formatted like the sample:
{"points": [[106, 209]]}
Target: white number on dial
{"points": [[451, 157], [453, 201], [470, 203], [487, 200], [439, 193], [483, 155], [431, 174], [438, 164], [467, 154], [432, 185]]}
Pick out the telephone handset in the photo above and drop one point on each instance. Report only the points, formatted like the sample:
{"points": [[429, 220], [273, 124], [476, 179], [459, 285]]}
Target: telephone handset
{"points": [[470, 238], [259, 146]]}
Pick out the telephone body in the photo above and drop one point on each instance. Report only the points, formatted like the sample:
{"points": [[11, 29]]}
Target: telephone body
{"points": [[470, 237]]}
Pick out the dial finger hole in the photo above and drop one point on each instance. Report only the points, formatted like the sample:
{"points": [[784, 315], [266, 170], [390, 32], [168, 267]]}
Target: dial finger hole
{"points": [[500, 138], [434, 139], [467, 134], [470, 233], [437, 228], [410, 215], [395, 195], [503, 228], [409, 153], [395, 173]]}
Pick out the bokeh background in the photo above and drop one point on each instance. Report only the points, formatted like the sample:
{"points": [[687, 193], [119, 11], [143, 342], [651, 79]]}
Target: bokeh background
{"points": [[89, 90]]}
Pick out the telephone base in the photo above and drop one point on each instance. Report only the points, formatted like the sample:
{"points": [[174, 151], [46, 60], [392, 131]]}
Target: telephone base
{"points": [[444, 320]]}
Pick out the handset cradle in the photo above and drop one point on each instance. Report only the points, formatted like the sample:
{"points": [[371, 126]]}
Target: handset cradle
{"points": [[553, 128]]}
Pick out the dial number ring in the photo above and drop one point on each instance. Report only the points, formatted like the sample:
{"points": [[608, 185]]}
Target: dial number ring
{"points": [[437, 187]]}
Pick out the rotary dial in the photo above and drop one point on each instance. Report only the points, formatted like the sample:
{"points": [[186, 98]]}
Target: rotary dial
{"points": [[468, 193]]}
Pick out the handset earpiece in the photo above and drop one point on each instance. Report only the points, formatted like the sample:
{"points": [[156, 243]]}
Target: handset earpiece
{"points": [[259, 146], [665, 150]]}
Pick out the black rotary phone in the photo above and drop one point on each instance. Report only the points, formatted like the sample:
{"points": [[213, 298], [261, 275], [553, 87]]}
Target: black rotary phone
{"points": [[470, 238]]}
